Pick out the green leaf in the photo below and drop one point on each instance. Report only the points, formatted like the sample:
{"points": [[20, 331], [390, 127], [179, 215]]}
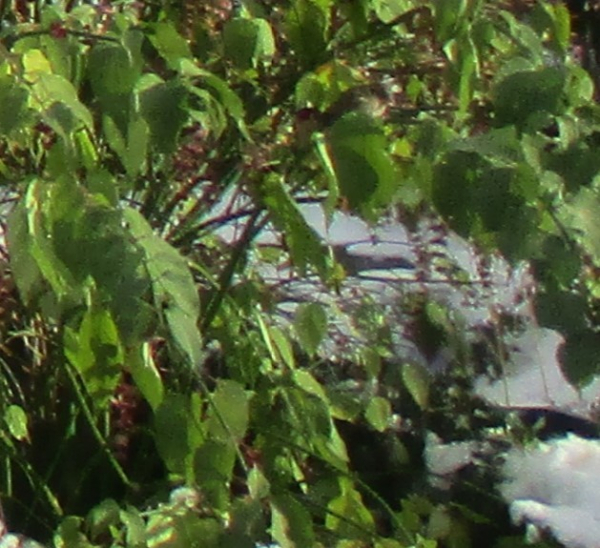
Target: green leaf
{"points": [[310, 324], [500, 146], [525, 99], [580, 215], [173, 287], [69, 535], [291, 524], [388, 10], [16, 420], [163, 107], [308, 417], [111, 70], [468, 69], [560, 265], [221, 91], [580, 87], [134, 153], [209, 113], [323, 88], [81, 238], [171, 46], [189, 528], [135, 528], [417, 381], [58, 102], [86, 150], [580, 356], [27, 274], [183, 326], [307, 23], [562, 22], [114, 137], [305, 381], [35, 63], [248, 41], [95, 350], [348, 517], [561, 309], [146, 375], [13, 105], [213, 471], [258, 484], [102, 518], [305, 247], [247, 519], [171, 423], [31, 243], [284, 348], [160, 531], [531, 43], [366, 174], [64, 56], [449, 16], [378, 413], [228, 414]]}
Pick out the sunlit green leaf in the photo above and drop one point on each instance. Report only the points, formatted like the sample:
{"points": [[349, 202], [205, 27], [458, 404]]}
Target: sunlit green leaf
{"points": [[308, 383], [146, 375], [228, 413], [35, 64], [291, 524], [348, 515], [16, 420], [94, 349], [284, 348], [417, 381], [258, 485], [581, 215], [134, 526], [378, 413], [388, 10], [30, 235], [169, 43]]}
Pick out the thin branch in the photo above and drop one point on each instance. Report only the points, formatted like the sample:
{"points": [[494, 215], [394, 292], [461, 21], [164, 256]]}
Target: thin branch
{"points": [[252, 229]]}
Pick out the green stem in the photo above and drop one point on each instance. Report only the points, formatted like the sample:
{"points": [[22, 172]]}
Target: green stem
{"points": [[92, 424], [252, 229]]}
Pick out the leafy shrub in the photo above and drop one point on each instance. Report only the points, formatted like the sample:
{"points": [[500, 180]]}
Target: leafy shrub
{"points": [[141, 343]]}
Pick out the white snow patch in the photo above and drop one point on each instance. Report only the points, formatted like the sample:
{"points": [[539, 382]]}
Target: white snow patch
{"points": [[556, 486]]}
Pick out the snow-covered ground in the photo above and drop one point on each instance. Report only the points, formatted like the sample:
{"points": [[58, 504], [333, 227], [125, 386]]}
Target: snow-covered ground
{"points": [[384, 263], [555, 486]]}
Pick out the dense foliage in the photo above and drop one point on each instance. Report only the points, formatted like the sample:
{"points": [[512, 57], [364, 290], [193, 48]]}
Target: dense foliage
{"points": [[147, 397]]}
